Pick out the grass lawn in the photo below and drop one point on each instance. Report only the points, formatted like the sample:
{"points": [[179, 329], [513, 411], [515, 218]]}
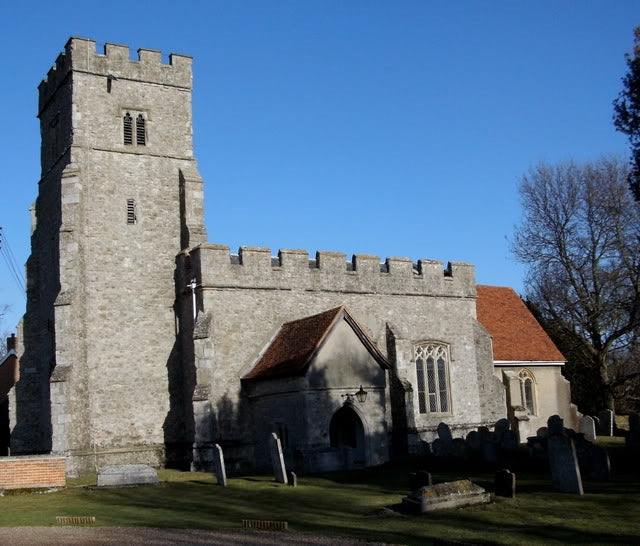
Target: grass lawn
{"points": [[353, 504]]}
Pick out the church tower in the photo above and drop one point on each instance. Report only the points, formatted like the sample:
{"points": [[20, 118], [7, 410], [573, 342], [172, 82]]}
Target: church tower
{"points": [[119, 197]]}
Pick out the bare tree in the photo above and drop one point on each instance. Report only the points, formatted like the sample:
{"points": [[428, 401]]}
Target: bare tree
{"points": [[580, 237]]}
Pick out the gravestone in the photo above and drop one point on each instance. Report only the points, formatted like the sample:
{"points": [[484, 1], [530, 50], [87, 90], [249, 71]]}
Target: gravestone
{"points": [[277, 459], [459, 448], [474, 442], [490, 448], [632, 438], [444, 433], [505, 484], [542, 432], [606, 418], [588, 428], [127, 474], [537, 448], [509, 441], [441, 446], [293, 479], [501, 426], [419, 479], [444, 496], [565, 472], [218, 463]]}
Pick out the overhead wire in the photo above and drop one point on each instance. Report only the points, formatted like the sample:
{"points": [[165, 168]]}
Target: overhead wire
{"points": [[10, 261]]}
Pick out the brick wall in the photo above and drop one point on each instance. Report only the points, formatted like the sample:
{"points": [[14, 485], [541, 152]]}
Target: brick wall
{"points": [[31, 472]]}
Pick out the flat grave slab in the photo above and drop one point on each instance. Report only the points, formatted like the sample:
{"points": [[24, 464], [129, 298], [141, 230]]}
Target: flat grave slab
{"points": [[127, 474], [445, 496]]}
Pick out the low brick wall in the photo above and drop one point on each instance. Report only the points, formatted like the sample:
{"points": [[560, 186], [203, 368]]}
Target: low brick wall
{"points": [[32, 472]]}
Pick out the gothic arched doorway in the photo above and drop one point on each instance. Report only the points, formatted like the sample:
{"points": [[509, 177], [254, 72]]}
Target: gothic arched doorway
{"points": [[346, 433]]}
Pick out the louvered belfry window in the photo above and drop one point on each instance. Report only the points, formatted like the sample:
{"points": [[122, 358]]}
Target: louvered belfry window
{"points": [[127, 124], [131, 211], [141, 135], [432, 376]]}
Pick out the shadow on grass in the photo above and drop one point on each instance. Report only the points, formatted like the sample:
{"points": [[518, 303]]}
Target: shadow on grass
{"points": [[353, 504]]}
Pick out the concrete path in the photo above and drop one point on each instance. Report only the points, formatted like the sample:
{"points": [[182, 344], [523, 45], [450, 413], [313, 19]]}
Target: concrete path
{"points": [[57, 536]]}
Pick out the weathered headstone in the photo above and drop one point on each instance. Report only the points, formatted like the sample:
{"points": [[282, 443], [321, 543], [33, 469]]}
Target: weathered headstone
{"points": [[459, 448], [293, 479], [419, 479], [440, 448], [444, 433], [555, 425], [606, 417], [444, 496], [474, 442], [218, 463], [588, 427], [505, 483], [565, 472], [537, 448], [127, 474], [490, 448], [632, 439], [501, 426], [593, 460], [277, 459], [509, 441]]}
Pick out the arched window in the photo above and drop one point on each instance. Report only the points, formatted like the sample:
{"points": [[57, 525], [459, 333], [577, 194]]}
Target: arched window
{"points": [[141, 135], [127, 124], [432, 373], [527, 389]]}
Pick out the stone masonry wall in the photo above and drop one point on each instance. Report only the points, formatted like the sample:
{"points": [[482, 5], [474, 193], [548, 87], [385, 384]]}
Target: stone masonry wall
{"points": [[109, 307], [246, 298]]}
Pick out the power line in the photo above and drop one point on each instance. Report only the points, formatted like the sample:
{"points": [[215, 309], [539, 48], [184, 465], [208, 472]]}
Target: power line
{"points": [[10, 261]]}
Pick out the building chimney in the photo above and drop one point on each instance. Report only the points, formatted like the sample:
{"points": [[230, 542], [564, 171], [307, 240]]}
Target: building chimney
{"points": [[11, 342]]}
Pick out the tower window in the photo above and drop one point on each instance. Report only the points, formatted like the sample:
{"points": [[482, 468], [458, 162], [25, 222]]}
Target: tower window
{"points": [[131, 211], [127, 124], [141, 135]]}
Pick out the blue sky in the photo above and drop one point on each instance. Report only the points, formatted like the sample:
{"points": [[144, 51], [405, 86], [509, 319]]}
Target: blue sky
{"points": [[389, 128]]}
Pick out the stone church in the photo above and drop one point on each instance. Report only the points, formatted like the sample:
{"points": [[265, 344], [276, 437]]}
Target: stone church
{"points": [[144, 343]]}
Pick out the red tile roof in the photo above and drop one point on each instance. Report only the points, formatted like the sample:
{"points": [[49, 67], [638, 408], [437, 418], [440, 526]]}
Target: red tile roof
{"points": [[517, 335], [295, 344]]}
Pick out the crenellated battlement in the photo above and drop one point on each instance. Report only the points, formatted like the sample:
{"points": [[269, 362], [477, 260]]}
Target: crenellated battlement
{"points": [[214, 266], [80, 55]]}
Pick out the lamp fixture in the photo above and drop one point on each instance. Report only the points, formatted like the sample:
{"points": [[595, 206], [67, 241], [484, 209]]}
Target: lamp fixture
{"points": [[360, 396]]}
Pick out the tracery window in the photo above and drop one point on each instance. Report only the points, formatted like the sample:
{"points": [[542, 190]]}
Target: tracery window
{"points": [[527, 390], [432, 372]]}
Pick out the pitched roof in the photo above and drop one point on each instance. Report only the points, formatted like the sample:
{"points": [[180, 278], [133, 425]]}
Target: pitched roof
{"points": [[297, 342], [517, 335]]}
